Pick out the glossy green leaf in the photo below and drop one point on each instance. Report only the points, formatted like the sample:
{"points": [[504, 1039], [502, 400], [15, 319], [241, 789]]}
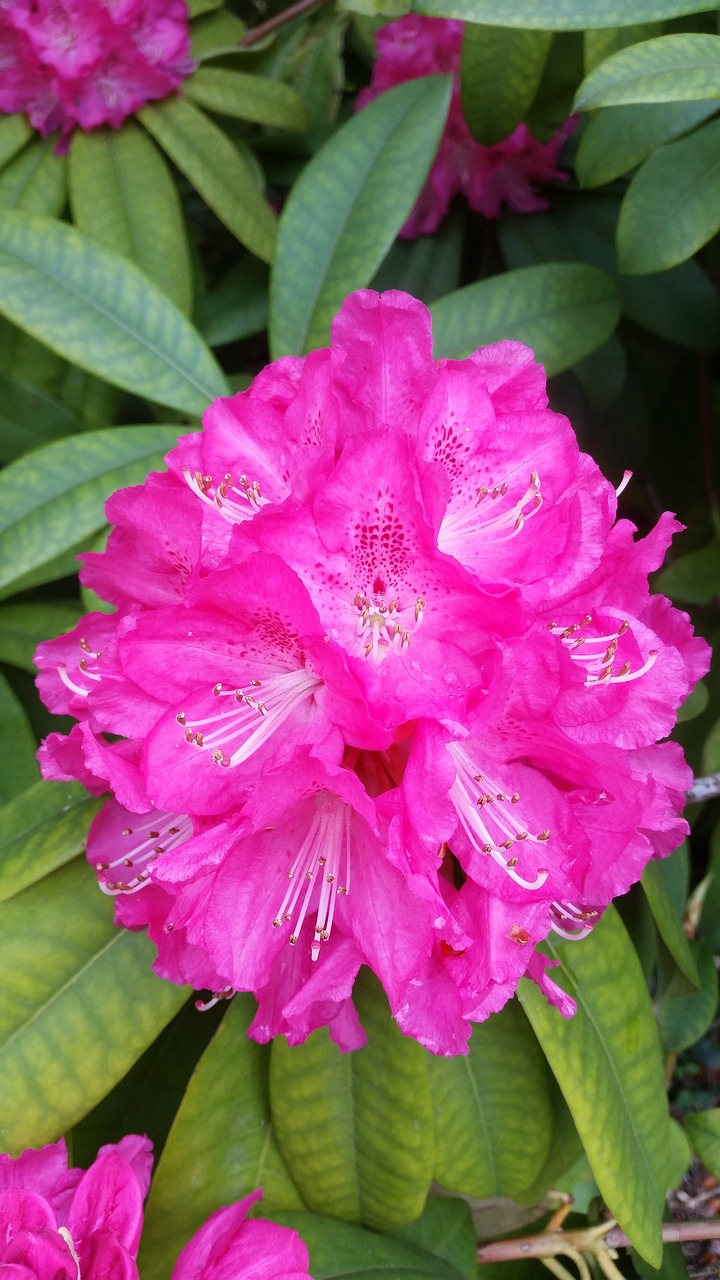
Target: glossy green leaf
{"points": [[123, 195], [445, 1228], [23, 626], [29, 417], [562, 310], [52, 501], [217, 169], [79, 1003], [102, 313], [565, 1149], [617, 139], [35, 180], [236, 93], [339, 1251], [238, 307], [492, 1109], [347, 207], [501, 68], [561, 15], [667, 920], [694, 578], [215, 34], [40, 830], [709, 926], [694, 704], [19, 766], [220, 1147], [15, 132], [675, 68], [602, 43], [704, 1132], [672, 206], [607, 1062], [427, 267], [684, 1019], [374, 1102], [198, 7]]}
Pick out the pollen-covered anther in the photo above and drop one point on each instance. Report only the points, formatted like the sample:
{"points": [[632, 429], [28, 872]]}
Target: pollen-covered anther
{"points": [[83, 679], [486, 516], [384, 627], [519, 935], [597, 654], [242, 723], [234, 502], [171, 828]]}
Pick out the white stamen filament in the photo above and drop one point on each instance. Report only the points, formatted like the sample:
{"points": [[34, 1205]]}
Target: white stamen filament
{"points": [[479, 519], [627, 477], [384, 626], [236, 733], [148, 839], [233, 502], [83, 671], [324, 853], [600, 665], [571, 922], [474, 794]]}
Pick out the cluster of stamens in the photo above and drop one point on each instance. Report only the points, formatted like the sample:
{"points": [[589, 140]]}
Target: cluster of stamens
{"points": [[479, 518], [147, 841], [84, 671], [598, 653], [385, 626], [488, 819], [323, 856], [236, 732], [235, 502]]}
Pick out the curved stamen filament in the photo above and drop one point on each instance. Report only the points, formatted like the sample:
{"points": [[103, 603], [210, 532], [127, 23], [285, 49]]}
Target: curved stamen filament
{"points": [[234, 502], [323, 856], [484, 812], [147, 840], [232, 735], [479, 518], [570, 921], [600, 665]]}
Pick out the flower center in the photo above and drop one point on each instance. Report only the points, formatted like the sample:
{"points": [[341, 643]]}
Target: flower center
{"points": [[247, 719], [153, 835], [598, 654], [383, 625], [488, 516], [323, 857]]}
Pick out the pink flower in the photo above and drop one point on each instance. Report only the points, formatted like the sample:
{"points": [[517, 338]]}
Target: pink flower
{"points": [[506, 173], [232, 1247], [385, 686], [86, 63], [65, 1223]]}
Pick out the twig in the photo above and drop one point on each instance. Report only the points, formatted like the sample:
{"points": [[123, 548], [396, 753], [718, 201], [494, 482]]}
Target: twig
{"points": [[673, 1232], [279, 20], [548, 1244]]}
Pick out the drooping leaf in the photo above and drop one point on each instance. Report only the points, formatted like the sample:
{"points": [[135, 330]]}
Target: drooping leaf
{"points": [[221, 1145], [40, 830], [236, 93], [607, 1062], [565, 1149], [102, 313], [79, 1003], [28, 417], [667, 920], [123, 195], [340, 1251], [694, 704], [562, 310], [601, 43], [493, 1109], [501, 68], [374, 1102], [617, 139], [347, 207], [15, 132], [35, 180], [675, 68], [683, 1019], [445, 1228], [52, 501], [704, 1132], [19, 766], [217, 169], [560, 15]]}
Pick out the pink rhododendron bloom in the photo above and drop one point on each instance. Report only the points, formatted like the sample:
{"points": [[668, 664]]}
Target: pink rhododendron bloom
{"points": [[385, 685], [232, 1247], [506, 173], [86, 63]]}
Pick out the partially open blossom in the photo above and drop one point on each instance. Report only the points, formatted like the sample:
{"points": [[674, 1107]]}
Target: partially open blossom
{"points": [[85, 63], [505, 173], [385, 685], [232, 1247]]}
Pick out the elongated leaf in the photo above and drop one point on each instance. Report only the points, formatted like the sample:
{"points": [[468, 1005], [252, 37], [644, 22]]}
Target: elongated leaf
{"points": [[445, 1228], [617, 139], [23, 626], [603, 43], [376, 1105], [562, 310], [607, 1062], [122, 194], [14, 133], [428, 267], [79, 1003], [214, 34], [704, 1131], [235, 93], [565, 1149], [220, 1147], [35, 181], [682, 68], [102, 313], [668, 923], [561, 15], [238, 307], [52, 501], [217, 169], [672, 206], [493, 1109], [339, 1251], [28, 417], [40, 830], [501, 69], [683, 1019], [347, 207], [19, 766]]}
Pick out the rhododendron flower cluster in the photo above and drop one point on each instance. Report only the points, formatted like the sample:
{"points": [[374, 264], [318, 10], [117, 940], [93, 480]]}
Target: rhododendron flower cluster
{"points": [[506, 173], [85, 63], [384, 686], [71, 1224]]}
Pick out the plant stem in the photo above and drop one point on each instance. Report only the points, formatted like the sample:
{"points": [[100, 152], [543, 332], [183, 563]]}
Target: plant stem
{"points": [[279, 20], [549, 1243]]}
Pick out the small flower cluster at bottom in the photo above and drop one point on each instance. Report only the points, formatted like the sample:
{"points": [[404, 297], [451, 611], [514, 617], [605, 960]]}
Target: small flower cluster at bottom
{"points": [[75, 1224], [384, 685]]}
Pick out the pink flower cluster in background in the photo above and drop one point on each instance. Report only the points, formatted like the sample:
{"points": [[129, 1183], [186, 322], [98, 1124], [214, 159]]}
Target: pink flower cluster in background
{"points": [[72, 1224], [488, 176], [384, 686], [85, 63]]}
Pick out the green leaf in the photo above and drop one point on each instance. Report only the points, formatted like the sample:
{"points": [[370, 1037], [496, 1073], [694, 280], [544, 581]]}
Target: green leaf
{"points": [[15, 132], [339, 1251], [565, 1149], [28, 417], [601, 44], [19, 766], [676, 68], [500, 71], [238, 307], [40, 830], [493, 1109], [561, 15], [618, 139], [220, 1147], [347, 207], [603, 373], [214, 34], [607, 1062], [102, 313], [709, 927], [198, 7], [375, 1106], [667, 920], [78, 1005], [704, 1131], [35, 181], [236, 93], [123, 195], [52, 501], [445, 1228], [684, 1019], [427, 267], [562, 310], [23, 626], [694, 704], [217, 169], [694, 578], [672, 206]]}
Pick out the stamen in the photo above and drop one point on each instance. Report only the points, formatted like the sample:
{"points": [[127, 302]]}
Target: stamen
{"points": [[234, 502], [481, 518], [324, 852], [141, 848], [235, 732], [571, 922], [384, 627], [598, 653], [627, 477], [227, 993]]}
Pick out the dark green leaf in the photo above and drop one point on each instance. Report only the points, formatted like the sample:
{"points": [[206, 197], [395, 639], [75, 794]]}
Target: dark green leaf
{"points": [[501, 69], [40, 830], [704, 1132], [19, 766], [23, 626], [667, 920], [618, 139], [35, 181], [235, 93], [15, 132], [675, 68], [216, 33], [602, 43], [28, 417], [709, 927], [238, 307], [561, 15], [339, 1251], [694, 578], [427, 267], [684, 1019], [694, 704], [445, 1228], [347, 207]]}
